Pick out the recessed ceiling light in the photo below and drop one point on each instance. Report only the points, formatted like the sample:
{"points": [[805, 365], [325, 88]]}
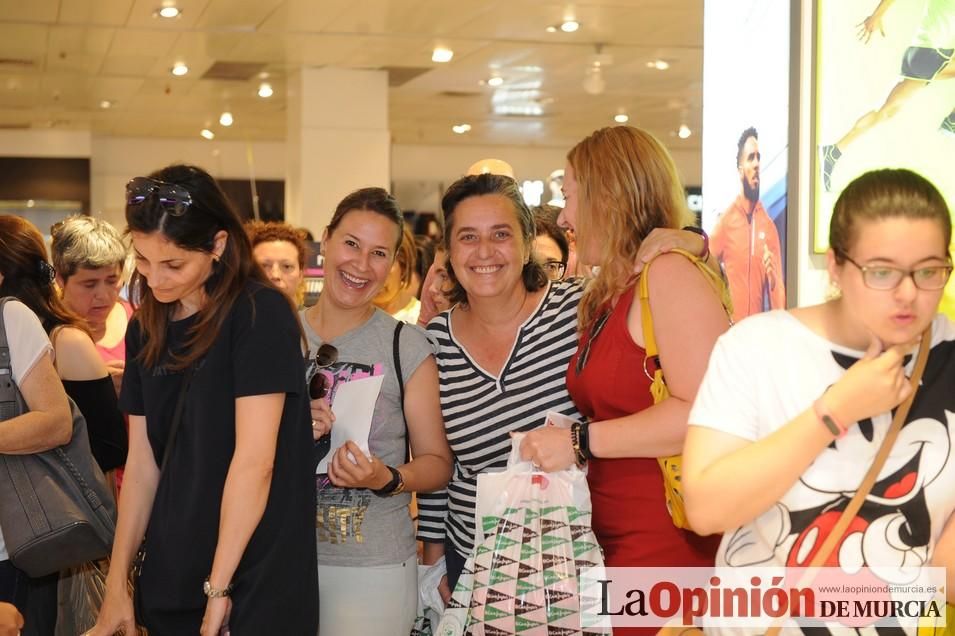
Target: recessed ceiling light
{"points": [[660, 65], [106, 103], [226, 119], [621, 118], [207, 134], [551, 29], [569, 26], [461, 128], [179, 69], [265, 90], [441, 54], [684, 131], [168, 12], [497, 80]]}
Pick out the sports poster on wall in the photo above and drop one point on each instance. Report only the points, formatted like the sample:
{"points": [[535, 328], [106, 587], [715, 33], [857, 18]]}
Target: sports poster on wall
{"points": [[745, 146], [885, 98]]}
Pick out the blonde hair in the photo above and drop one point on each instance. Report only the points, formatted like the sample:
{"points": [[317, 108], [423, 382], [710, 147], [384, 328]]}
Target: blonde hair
{"points": [[627, 185]]}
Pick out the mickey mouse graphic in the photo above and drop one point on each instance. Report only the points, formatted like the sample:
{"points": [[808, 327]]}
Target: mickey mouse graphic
{"points": [[891, 533]]}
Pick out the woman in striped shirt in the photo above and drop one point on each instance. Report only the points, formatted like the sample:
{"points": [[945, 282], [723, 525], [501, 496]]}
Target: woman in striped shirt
{"points": [[502, 350]]}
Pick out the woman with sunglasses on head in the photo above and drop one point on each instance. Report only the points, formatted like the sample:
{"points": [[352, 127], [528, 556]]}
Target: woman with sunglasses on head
{"points": [[619, 184], [219, 477], [795, 404], [366, 547]]}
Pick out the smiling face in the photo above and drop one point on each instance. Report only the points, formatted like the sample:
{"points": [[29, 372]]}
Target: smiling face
{"points": [[280, 260], [487, 249], [92, 292], [174, 274], [895, 316], [359, 254]]}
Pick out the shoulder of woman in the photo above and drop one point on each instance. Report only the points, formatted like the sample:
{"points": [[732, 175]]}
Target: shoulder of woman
{"points": [[76, 356]]}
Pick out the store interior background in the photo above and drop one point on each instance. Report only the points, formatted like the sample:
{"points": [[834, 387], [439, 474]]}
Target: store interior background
{"points": [[91, 79]]}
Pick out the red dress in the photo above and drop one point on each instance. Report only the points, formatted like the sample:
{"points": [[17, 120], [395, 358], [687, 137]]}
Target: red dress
{"points": [[630, 517]]}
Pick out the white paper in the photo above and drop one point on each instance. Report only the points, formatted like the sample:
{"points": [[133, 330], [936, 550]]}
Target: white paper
{"points": [[353, 407]]}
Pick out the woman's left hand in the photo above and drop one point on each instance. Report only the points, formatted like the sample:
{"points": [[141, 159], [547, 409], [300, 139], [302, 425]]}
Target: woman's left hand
{"points": [[549, 448], [360, 472], [215, 621]]}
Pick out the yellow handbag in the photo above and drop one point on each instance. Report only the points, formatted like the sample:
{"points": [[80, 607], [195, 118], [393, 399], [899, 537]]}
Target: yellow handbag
{"points": [[658, 389]]}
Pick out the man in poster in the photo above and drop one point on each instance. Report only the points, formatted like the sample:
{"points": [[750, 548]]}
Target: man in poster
{"points": [[745, 241]]}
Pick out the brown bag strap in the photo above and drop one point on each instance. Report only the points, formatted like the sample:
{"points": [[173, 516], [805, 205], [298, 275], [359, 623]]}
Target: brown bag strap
{"points": [[869, 480]]}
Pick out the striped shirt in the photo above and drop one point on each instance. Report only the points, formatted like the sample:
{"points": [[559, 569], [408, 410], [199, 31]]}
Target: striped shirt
{"points": [[481, 410]]}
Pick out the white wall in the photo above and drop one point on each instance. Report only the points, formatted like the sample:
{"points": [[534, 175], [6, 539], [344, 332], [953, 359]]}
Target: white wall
{"points": [[45, 143], [447, 163], [115, 160]]}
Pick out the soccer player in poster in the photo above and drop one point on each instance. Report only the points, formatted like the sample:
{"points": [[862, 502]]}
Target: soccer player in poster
{"points": [[927, 59]]}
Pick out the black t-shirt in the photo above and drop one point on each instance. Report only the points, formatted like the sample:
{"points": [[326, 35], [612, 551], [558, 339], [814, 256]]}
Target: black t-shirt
{"points": [[257, 352]]}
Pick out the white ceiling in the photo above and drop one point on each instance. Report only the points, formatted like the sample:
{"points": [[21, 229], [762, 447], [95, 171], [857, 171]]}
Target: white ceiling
{"points": [[59, 59]]}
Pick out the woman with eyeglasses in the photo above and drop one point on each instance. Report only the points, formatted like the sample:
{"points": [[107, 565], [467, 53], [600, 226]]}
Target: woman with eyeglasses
{"points": [[220, 472], [619, 184], [550, 246], [366, 547], [795, 404]]}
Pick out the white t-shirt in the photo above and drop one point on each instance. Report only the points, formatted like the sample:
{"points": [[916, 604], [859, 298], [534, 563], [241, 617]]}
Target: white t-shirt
{"points": [[27, 342], [768, 369]]}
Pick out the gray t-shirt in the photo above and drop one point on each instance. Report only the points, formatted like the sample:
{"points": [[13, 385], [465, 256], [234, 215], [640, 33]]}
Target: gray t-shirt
{"points": [[353, 526]]}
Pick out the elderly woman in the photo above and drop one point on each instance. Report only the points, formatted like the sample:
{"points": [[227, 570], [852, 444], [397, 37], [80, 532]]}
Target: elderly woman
{"points": [[502, 350], [280, 251], [88, 256]]}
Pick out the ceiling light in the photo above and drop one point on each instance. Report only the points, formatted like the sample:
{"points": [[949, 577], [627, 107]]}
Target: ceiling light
{"points": [[168, 12], [441, 54], [497, 80], [684, 131], [106, 103], [179, 69], [569, 26], [621, 118], [207, 134], [461, 128], [594, 83], [660, 65], [226, 119], [265, 90], [551, 29]]}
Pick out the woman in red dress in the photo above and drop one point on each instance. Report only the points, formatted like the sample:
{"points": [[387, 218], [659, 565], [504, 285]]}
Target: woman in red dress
{"points": [[620, 184]]}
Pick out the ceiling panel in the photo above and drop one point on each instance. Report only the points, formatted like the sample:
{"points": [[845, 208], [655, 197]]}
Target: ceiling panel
{"points": [[95, 12], [87, 51], [29, 11]]}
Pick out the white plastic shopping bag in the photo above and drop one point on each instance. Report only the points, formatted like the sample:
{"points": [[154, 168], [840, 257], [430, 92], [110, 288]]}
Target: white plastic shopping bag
{"points": [[523, 574]]}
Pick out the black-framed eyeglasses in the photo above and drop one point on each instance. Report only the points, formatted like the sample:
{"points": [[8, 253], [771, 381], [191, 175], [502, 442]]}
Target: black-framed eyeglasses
{"points": [[554, 269], [326, 356], [887, 278], [585, 352], [175, 199]]}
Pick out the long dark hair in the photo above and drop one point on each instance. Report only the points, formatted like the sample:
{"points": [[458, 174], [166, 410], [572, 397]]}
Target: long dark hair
{"points": [[194, 230], [28, 276]]}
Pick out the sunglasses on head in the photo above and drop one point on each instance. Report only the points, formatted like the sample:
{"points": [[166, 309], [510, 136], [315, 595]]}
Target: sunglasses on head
{"points": [[175, 199], [326, 356]]}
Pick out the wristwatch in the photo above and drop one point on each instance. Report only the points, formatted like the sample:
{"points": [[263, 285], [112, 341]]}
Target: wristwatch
{"points": [[393, 487], [212, 592]]}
